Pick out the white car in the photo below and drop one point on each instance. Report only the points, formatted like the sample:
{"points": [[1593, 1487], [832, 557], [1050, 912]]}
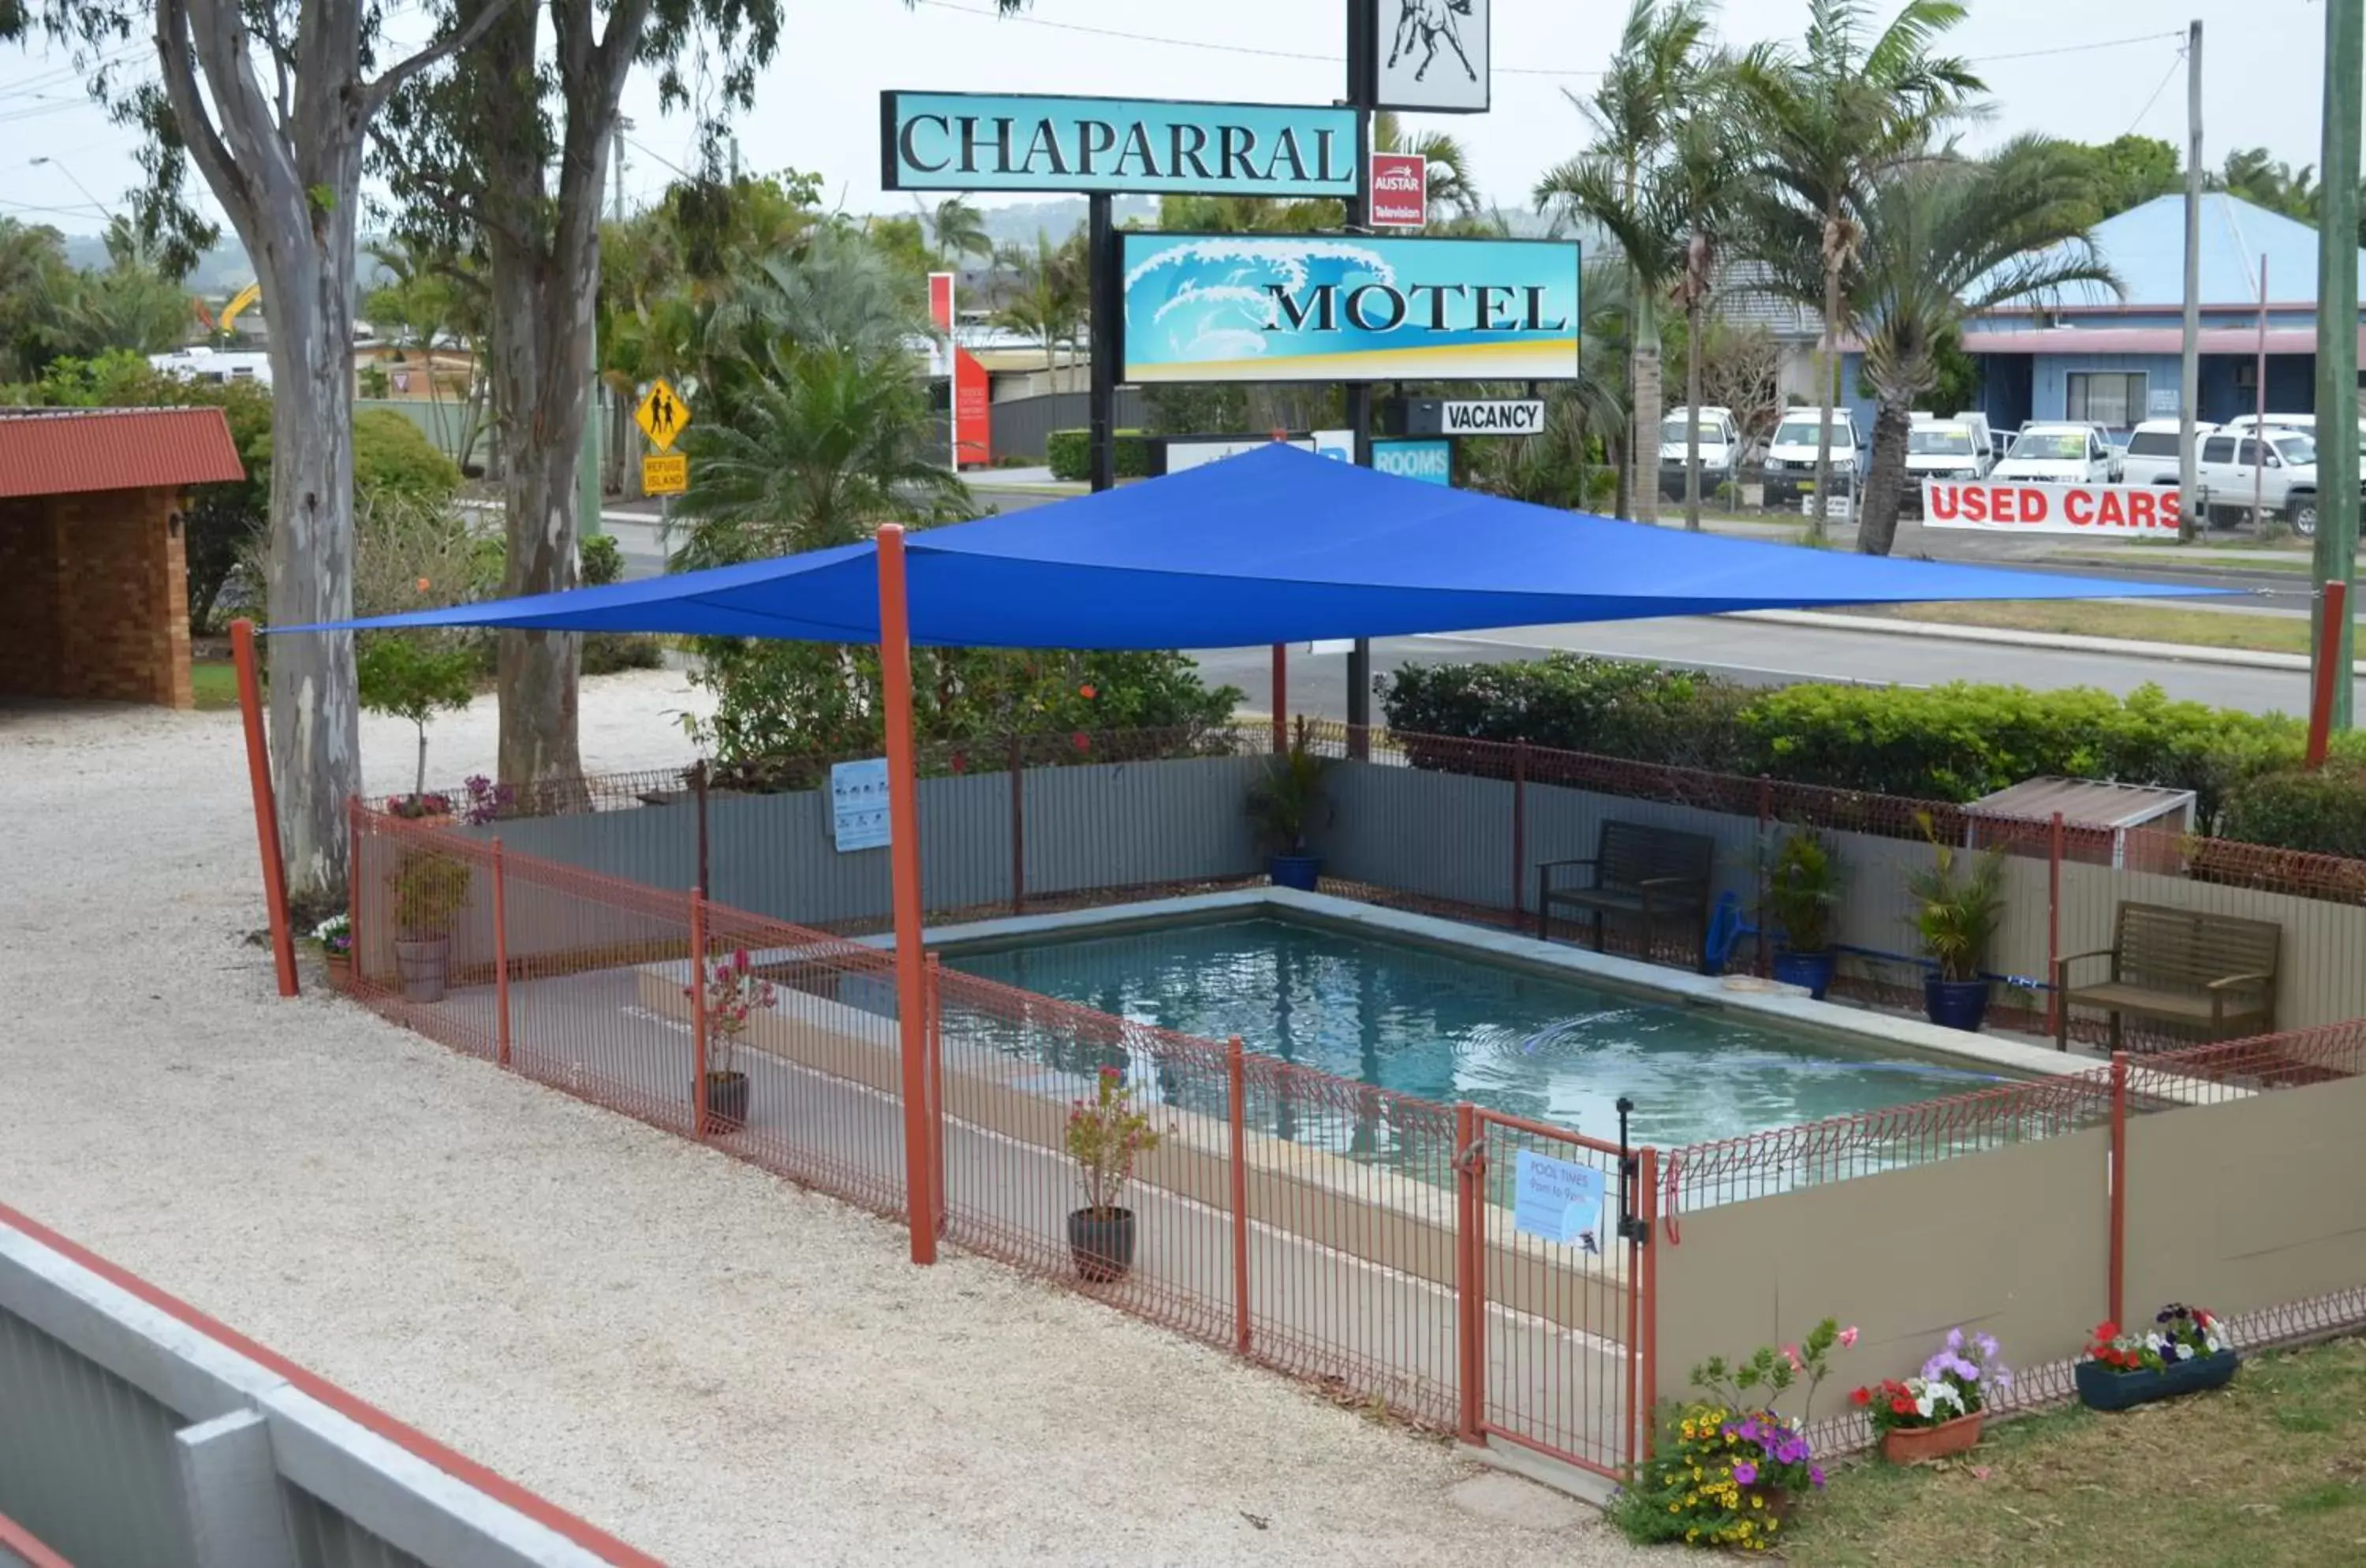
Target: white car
{"points": [[2152, 451], [1720, 449], [1791, 455], [2232, 469], [2058, 453], [1946, 449]]}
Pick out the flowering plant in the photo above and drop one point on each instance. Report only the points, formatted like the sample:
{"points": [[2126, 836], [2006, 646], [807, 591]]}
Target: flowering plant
{"points": [[1958, 1380], [734, 993], [335, 936], [2179, 1333], [1106, 1134], [415, 807], [486, 801], [1725, 1466]]}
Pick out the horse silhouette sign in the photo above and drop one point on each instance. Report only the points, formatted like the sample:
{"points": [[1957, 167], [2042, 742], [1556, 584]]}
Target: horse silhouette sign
{"points": [[1429, 55]]}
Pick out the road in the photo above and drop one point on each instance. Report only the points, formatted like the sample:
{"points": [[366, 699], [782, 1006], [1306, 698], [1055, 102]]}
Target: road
{"points": [[1754, 651]]}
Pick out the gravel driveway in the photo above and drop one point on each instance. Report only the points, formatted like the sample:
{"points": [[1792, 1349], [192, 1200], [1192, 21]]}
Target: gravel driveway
{"points": [[694, 1355]]}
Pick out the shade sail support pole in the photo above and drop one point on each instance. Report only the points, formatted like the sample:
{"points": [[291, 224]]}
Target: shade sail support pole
{"points": [[904, 871], [266, 805]]}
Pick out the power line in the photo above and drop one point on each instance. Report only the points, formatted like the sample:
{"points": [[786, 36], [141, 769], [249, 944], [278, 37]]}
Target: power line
{"points": [[2178, 60]]}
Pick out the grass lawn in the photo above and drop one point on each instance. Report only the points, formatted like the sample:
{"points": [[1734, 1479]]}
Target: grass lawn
{"points": [[2196, 628], [215, 681], [2270, 1470]]}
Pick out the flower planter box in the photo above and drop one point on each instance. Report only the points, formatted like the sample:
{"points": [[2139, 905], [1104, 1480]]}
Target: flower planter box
{"points": [[1915, 1445], [2100, 1388]]}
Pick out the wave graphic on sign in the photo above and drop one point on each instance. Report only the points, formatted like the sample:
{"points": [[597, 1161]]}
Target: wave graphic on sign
{"points": [[1229, 318]]}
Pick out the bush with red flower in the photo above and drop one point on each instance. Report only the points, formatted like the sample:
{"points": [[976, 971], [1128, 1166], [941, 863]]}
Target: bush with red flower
{"points": [[734, 993], [1725, 1468], [1961, 1379], [2178, 1333]]}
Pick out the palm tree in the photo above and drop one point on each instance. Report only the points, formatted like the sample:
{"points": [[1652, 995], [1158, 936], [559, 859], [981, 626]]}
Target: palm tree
{"points": [[1661, 54], [1049, 304], [1935, 244], [1553, 467], [1832, 120], [957, 229], [1452, 192]]}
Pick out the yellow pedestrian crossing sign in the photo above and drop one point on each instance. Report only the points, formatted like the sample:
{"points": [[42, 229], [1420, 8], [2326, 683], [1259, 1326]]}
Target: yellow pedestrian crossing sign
{"points": [[661, 416]]}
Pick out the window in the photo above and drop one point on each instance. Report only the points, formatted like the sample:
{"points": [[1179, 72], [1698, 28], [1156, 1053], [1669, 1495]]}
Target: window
{"points": [[1938, 440], [2153, 444], [2218, 449], [2106, 396]]}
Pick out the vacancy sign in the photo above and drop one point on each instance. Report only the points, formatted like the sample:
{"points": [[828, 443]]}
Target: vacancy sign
{"points": [[1483, 416], [2131, 512], [1400, 190]]}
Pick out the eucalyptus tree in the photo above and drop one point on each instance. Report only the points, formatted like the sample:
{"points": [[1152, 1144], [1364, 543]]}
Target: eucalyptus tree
{"points": [[1664, 51], [1836, 117], [1936, 243]]}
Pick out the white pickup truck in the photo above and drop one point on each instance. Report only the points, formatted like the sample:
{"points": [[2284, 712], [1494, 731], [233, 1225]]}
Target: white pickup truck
{"points": [[2280, 472]]}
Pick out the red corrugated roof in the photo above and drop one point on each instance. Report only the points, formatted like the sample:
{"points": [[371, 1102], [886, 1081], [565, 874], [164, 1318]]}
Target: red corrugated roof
{"points": [[62, 451]]}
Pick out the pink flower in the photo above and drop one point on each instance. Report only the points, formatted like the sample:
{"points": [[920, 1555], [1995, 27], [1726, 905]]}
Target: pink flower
{"points": [[1848, 1335], [739, 961], [1791, 1354]]}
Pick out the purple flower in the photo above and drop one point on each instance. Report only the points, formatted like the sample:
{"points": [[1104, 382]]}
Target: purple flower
{"points": [[1988, 1346], [1814, 1475], [1955, 1339], [1746, 1473]]}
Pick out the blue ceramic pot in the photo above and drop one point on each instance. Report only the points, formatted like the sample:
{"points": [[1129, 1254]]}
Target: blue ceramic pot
{"points": [[1301, 872], [2100, 1388], [1813, 970], [1955, 1004]]}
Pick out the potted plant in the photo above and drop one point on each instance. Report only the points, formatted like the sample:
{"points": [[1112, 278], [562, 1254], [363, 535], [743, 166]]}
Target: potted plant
{"points": [[414, 676], [2185, 1348], [430, 888], [1938, 1413], [734, 994], [1956, 915], [1106, 1134], [335, 936], [1803, 887], [1284, 803]]}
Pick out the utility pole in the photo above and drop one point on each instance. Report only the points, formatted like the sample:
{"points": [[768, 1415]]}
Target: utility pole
{"points": [[1107, 289], [2337, 349], [2190, 380], [1363, 88]]}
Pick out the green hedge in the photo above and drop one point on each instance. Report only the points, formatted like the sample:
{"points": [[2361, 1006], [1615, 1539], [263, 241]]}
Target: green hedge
{"points": [[1070, 454], [1953, 743]]}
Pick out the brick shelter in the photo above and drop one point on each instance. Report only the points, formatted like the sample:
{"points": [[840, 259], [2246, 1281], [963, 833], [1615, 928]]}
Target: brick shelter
{"points": [[94, 580]]}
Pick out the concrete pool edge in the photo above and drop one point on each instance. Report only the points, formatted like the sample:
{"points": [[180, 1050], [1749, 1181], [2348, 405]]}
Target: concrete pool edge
{"points": [[1785, 1009]]}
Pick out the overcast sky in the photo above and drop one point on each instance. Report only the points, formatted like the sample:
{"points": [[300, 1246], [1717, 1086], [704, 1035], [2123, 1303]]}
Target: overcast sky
{"points": [[2052, 66]]}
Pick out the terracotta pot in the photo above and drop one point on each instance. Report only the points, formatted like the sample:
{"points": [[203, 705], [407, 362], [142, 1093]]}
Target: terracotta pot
{"points": [[1913, 1445], [341, 969]]}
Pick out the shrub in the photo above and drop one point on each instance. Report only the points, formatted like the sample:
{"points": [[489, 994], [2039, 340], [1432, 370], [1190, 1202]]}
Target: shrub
{"points": [[1643, 712], [393, 457], [604, 561], [2323, 812], [1069, 453], [605, 653]]}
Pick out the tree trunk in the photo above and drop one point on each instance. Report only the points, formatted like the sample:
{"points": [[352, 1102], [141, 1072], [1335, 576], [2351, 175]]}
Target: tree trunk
{"points": [[1877, 513], [1691, 414], [1827, 374], [1647, 417]]}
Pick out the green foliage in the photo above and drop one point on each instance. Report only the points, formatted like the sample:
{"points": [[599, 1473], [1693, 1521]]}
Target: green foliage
{"points": [[411, 676], [1803, 888], [1570, 702], [2323, 812], [1956, 911], [1283, 804], [1069, 453], [2127, 172], [605, 653], [429, 890], [602, 560], [393, 457]]}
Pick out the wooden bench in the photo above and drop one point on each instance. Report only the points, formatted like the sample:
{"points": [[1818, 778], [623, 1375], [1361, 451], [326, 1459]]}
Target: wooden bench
{"points": [[1648, 873], [2182, 966]]}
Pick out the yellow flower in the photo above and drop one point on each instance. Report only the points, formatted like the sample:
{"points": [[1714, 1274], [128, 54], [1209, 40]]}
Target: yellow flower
{"points": [[1673, 1508], [1774, 1523], [1756, 1502]]}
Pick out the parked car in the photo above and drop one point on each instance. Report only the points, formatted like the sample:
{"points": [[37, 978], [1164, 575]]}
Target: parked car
{"points": [[2058, 453], [1791, 455], [2306, 423], [1941, 449], [2280, 473], [2152, 451], [1978, 424], [1720, 450]]}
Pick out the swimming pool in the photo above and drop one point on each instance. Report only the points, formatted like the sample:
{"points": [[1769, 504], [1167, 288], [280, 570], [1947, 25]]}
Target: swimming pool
{"points": [[1445, 1026]]}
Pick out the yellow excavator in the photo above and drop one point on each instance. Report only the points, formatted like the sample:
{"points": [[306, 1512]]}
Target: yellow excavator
{"points": [[230, 313]]}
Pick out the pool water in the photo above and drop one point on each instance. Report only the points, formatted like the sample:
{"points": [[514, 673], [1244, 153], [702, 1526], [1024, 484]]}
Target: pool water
{"points": [[1421, 1021]]}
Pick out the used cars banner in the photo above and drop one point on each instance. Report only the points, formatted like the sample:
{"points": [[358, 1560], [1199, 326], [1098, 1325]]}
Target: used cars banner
{"points": [[2136, 512], [1347, 308]]}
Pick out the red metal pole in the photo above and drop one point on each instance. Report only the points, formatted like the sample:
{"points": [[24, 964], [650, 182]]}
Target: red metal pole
{"points": [[1236, 1079], [1469, 1275], [2328, 671], [267, 809], [698, 788], [1519, 827], [1644, 1305], [502, 955], [2053, 925], [353, 888], [2119, 1182], [1280, 698], [903, 864], [698, 1014]]}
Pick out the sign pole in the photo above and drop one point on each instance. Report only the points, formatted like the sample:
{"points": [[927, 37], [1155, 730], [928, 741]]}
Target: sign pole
{"points": [[1100, 240], [1363, 87], [2337, 346]]}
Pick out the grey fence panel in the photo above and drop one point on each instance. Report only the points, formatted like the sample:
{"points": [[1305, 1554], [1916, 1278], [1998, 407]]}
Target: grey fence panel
{"points": [[1443, 836], [327, 1539], [1566, 824], [86, 1459], [1021, 425], [1140, 824], [656, 846], [777, 855]]}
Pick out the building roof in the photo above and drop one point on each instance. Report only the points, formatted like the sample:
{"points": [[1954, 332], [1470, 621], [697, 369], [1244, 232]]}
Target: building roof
{"points": [[2145, 246], [68, 451], [2083, 340]]}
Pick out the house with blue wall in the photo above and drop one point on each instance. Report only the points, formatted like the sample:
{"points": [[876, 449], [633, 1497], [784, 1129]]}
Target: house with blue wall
{"points": [[2116, 361]]}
